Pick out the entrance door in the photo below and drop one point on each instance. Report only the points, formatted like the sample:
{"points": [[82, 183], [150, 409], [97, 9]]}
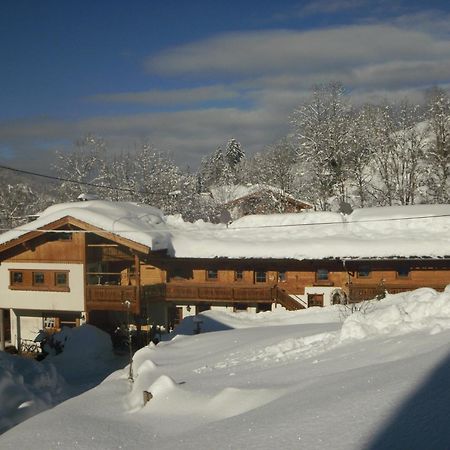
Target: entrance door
{"points": [[315, 300]]}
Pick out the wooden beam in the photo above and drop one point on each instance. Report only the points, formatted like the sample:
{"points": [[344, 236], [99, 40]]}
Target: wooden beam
{"points": [[2, 331]]}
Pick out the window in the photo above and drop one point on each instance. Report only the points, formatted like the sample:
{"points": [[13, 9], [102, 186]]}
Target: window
{"points": [[38, 278], [42, 280], [282, 276], [322, 275], [238, 275], [49, 322], [403, 272], [61, 279], [364, 272], [212, 274], [260, 276], [16, 277]]}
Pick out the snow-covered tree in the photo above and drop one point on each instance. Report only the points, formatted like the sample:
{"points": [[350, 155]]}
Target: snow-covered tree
{"points": [[157, 178], [398, 145], [360, 153], [82, 165], [234, 153], [215, 170], [321, 126], [438, 152]]}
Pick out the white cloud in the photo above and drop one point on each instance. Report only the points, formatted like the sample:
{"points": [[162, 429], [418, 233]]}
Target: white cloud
{"points": [[279, 52], [265, 75], [171, 96]]}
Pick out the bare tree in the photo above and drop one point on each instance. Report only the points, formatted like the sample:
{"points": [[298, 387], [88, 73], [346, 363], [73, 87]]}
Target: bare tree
{"points": [[322, 128], [438, 153]]}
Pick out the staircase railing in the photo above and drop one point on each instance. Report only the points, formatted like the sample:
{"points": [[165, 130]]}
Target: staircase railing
{"points": [[285, 299]]}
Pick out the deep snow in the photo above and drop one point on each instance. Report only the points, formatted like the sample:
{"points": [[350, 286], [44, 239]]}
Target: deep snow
{"points": [[395, 231], [285, 379]]}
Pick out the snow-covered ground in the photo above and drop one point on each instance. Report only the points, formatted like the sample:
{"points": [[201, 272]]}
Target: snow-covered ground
{"points": [[289, 380]]}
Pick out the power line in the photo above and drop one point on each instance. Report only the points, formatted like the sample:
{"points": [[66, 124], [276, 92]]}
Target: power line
{"points": [[85, 183], [393, 219]]}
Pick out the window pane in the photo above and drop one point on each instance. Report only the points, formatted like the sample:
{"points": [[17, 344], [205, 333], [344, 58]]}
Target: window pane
{"points": [[364, 272], [260, 277], [282, 276], [211, 274], [403, 272], [17, 277], [322, 274], [61, 279], [238, 275], [38, 278]]}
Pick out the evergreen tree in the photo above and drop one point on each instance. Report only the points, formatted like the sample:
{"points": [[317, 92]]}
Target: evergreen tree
{"points": [[234, 153]]}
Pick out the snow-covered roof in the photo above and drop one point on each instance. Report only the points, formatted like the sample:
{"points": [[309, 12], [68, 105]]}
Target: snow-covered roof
{"points": [[230, 193], [137, 222], [400, 231]]}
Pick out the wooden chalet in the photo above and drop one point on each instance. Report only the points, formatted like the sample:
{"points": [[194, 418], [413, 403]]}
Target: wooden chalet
{"points": [[241, 200], [67, 270]]}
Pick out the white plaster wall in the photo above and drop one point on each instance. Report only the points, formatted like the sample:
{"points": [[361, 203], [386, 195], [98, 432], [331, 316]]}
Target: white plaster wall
{"points": [[29, 327], [326, 291], [43, 300]]}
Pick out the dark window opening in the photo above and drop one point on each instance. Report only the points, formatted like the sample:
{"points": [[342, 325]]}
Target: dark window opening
{"points": [[212, 274], [260, 276], [16, 277], [403, 272], [364, 272], [38, 278], [238, 275], [60, 279], [322, 274]]}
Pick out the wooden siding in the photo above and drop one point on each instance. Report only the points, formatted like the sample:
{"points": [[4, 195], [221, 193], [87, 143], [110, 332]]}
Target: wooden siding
{"points": [[40, 249], [111, 298]]}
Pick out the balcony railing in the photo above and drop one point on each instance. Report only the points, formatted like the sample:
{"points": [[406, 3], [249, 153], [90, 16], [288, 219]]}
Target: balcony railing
{"points": [[200, 292], [101, 297]]}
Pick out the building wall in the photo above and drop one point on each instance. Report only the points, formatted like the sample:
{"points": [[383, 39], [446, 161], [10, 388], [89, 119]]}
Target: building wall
{"points": [[73, 300]]}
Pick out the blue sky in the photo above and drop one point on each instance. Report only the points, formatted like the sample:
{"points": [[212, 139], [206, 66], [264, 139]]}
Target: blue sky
{"points": [[188, 76]]}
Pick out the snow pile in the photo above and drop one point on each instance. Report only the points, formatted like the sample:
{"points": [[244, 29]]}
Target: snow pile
{"points": [[26, 388], [85, 350], [401, 313]]}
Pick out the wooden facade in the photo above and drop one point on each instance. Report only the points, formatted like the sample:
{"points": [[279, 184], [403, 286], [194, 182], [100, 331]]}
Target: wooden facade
{"points": [[121, 276]]}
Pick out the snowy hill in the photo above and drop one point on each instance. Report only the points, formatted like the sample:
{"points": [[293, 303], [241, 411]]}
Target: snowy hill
{"points": [[289, 380]]}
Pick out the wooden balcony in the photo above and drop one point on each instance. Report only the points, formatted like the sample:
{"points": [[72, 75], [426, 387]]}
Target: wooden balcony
{"points": [[112, 298], [202, 292], [358, 293], [207, 292]]}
